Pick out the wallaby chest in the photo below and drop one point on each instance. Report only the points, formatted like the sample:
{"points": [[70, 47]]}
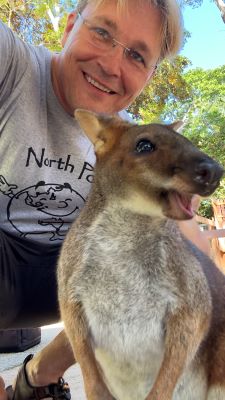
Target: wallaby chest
{"points": [[126, 289], [125, 270]]}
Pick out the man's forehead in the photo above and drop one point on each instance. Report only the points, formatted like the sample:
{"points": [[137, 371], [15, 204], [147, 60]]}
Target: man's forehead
{"points": [[118, 10]]}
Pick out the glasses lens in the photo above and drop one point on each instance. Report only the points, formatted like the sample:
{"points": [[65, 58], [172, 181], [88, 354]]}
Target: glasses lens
{"points": [[100, 38], [103, 40]]}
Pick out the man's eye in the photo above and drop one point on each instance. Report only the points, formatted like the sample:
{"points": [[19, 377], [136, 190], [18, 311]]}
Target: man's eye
{"points": [[101, 33], [137, 57]]}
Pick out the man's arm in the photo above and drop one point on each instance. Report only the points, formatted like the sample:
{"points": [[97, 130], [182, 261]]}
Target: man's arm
{"points": [[191, 231], [6, 51], [13, 60]]}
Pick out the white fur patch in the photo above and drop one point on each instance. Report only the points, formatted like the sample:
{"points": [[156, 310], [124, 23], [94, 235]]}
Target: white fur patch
{"points": [[132, 382], [125, 380], [216, 393], [141, 204], [193, 385]]}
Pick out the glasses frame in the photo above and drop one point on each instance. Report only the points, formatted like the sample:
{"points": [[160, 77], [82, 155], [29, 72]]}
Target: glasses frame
{"points": [[126, 50]]}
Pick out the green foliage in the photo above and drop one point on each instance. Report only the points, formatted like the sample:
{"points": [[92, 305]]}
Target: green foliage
{"points": [[203, 114], [37, 22], [167, 86], [205, 209]]}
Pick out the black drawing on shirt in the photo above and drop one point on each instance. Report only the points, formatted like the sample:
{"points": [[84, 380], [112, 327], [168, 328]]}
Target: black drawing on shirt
{"points": [[53, 203]]}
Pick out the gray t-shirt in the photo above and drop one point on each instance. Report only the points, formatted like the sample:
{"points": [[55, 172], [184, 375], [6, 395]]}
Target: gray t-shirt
{"points": [[46, 161]]}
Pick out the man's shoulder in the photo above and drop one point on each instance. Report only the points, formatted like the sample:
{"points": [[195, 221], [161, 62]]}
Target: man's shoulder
{"points": [[7, 36], [19, 58], [24, 69], [4, 27]]}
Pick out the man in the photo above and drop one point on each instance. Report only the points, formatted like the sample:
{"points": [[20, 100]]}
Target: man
{"points": [[110, 52]]}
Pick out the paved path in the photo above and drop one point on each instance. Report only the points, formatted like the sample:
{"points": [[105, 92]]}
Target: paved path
{"points": [[10, 362]]}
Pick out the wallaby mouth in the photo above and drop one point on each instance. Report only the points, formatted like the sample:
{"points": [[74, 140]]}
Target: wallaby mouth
{"points": [[203, 178], [184, 202], [179, 205]]}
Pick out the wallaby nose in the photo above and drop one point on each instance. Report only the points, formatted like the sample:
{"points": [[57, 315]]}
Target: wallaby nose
{"points": [[208, 172]]}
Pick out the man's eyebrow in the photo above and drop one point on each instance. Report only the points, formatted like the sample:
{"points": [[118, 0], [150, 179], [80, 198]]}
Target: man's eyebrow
{"points": [[111, 24]]}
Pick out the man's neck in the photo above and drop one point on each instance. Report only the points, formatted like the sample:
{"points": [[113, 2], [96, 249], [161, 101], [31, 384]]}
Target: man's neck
{"points": [[55, 68]]}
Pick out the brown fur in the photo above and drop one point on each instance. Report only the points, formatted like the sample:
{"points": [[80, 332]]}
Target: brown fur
{"points": [[134, 294]]}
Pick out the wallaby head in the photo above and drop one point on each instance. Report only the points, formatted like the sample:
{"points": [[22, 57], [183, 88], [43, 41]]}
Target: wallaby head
{"points": [[151, 168]]}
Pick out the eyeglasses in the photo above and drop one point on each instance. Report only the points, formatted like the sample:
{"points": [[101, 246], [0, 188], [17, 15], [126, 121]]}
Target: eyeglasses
{"points": [[103, 40]]}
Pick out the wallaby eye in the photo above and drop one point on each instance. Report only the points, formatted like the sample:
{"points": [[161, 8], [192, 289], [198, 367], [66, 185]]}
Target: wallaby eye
{"points": [[145, 146]]}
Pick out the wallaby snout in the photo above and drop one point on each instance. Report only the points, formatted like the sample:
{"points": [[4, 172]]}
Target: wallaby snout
{"points": [[208, 174]]}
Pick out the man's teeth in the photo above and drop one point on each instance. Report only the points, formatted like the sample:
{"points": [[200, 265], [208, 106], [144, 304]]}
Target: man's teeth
{"points": [[97, 84]]}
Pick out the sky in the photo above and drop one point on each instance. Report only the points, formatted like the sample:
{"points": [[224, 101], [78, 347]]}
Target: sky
{"points": [[206, 46]]}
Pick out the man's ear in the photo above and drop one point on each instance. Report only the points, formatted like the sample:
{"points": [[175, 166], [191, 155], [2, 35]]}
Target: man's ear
{"points": [[69, 26]]}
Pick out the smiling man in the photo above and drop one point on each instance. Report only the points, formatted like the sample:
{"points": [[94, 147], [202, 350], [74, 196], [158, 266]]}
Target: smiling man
{"points": [[111, 50], [107, 60]]}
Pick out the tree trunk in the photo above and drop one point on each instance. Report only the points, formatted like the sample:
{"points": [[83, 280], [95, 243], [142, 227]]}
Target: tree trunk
{"points": [[54, 19], [221, 5]]}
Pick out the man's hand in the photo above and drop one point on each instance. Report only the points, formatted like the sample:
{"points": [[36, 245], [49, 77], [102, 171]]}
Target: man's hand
{"points": [[6, 188], [192, 232]]}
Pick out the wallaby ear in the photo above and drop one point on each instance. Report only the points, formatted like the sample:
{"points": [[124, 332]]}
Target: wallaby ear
{"points": [[177, 125], [89, 122], [103, 131]]}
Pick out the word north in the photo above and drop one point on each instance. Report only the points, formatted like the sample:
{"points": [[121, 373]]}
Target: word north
{"points": [[60, 163]]}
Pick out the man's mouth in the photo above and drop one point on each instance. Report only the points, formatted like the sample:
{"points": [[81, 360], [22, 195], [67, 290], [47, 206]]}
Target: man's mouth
{"points": [[98, 85]]}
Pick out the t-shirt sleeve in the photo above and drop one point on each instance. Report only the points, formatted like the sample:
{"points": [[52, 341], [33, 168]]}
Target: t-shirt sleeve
{"points": [[13, 60], [126, 116]]}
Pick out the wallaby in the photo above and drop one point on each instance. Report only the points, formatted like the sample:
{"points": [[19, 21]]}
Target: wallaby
{"points": [[144, 309]]}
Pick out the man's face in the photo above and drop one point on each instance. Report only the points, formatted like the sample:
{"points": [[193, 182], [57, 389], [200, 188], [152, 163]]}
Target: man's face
{"points": [[85, 76]]}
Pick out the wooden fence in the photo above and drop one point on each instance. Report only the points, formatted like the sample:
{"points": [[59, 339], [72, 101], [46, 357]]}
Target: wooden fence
{"points": [[214, 230]]}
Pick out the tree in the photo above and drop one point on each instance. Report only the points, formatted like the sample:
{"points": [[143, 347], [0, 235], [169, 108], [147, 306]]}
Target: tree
{"points": [[196, 3], [37, 22], [203, 114], [168, 85]]}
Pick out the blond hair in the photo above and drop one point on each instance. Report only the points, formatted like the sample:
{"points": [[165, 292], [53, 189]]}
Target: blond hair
{"points": [[171, 27]]}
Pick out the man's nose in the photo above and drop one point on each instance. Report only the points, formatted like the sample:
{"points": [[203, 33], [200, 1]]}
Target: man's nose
{"points": [[112, 61]]}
